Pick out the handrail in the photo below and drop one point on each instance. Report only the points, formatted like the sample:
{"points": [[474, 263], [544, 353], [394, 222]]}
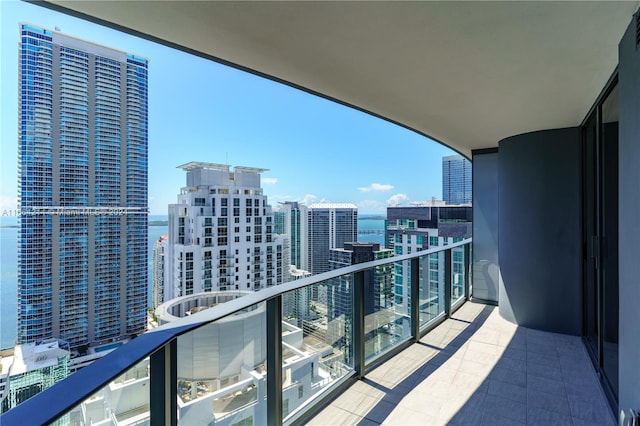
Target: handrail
{"points": [[55, 402]]}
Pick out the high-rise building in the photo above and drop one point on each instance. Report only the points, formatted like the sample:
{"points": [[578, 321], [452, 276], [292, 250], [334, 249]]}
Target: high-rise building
{"points": [[83, 190], [412, 229], [378, 293], [329, 227], [295, 224], [159, 250], [456, 180], [221, 234]]}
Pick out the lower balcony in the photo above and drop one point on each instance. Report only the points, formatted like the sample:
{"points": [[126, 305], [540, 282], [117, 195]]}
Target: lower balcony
{"points": [[477, 369]]}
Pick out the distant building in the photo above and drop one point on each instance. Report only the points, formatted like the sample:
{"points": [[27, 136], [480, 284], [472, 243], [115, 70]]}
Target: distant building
{"points": [[279, 219], [159, 251], [378, 290], [296, 305], [83, 113], [221, 234], [412, 229], [32, 368], [295, 224], [329, 227], [456, 180]]}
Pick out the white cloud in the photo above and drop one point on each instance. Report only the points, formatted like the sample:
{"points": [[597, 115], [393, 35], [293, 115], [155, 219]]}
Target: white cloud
{"points": [[274, 199], [376, 187], [397, 199], [8, 203], [269, 181], [308, 199], [371, 206]]}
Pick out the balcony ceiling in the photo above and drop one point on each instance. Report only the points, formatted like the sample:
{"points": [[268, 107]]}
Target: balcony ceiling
{"points": [[467, 74]]}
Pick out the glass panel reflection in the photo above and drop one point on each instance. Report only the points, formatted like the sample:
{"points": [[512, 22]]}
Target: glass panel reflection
{"points": [[123, 401], [457, 274], [431, 282], [386, 322], [317, 343], [222, 367]]}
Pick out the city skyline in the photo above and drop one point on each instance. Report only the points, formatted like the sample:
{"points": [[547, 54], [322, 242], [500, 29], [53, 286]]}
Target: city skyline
{"points": [[232, 117]]}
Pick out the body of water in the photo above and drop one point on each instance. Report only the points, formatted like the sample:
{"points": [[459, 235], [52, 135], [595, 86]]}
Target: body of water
{"points": [[9, 266]]}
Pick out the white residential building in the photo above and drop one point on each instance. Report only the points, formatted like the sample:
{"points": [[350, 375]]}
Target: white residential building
{"points": [[221, 233]]}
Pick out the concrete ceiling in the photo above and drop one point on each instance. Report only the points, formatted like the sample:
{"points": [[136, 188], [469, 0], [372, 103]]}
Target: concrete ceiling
{"points": [[467, 74]]}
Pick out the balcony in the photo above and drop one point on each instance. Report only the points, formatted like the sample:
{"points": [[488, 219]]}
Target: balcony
{"points": [[477, 369], [320, 335], [535, 254], [436, 360]]}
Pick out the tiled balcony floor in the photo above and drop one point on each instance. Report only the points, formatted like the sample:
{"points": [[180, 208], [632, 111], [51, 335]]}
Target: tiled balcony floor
{"points": [[478, 369]]}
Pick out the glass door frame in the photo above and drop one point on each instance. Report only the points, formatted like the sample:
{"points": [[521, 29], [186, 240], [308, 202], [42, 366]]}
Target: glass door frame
{"points": [[594, 245]]}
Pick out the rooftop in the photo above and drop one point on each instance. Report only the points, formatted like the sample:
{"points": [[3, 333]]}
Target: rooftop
{"points": [[32, 356], [333, 206]]}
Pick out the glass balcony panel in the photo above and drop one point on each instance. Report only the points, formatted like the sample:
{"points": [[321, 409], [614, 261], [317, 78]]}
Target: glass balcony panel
{"points": [[222, 370], [458, 277], [386, 323], [317, 344], [431, 284], [123, 401]]}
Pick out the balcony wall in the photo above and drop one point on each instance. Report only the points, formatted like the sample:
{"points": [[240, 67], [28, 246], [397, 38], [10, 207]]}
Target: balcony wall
{"points": [[537, 226]]}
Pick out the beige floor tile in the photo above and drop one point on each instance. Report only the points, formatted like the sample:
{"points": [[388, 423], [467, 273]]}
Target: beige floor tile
{"points": [[462, 370]]}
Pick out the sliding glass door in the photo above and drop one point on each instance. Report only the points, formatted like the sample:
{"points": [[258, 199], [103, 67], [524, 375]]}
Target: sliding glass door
{"points": [[600, 238]]}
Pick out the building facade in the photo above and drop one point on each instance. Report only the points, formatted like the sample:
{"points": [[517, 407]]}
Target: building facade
{"points": [[378, 294], [456, 180], [412, 229], [221, 234], [329, 227], [82, 189], [294, 217], [159, 251]]}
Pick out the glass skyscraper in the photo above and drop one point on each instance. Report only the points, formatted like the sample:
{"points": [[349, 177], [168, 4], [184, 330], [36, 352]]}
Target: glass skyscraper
{"points": [[456, 180], [329, 227], [82, 273], [294, 223]]}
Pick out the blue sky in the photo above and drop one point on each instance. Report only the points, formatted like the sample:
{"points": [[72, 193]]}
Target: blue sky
{"points": [[315, 150]]}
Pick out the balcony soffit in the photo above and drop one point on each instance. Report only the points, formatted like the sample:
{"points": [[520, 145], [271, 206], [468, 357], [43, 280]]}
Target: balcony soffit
{"points": [[467, 74]]}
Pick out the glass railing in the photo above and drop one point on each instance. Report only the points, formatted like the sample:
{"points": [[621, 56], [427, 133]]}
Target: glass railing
{"points": [[215, 366]]}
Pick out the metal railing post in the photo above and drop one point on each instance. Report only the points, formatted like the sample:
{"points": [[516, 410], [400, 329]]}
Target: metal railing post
{"points": [[163, 385], [274, 361], [358, 324], [415, 299], [467, 269], [447, 282]]}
